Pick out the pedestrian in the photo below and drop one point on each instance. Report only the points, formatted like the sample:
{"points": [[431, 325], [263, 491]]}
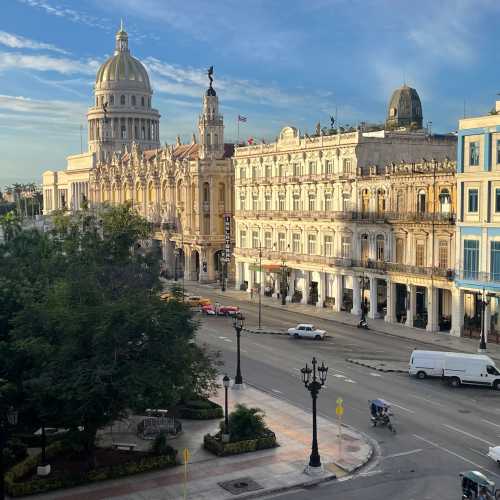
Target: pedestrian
{"points": [[251, 293]]}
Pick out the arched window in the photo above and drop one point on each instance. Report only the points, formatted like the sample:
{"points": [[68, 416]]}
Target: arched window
{"points": [[222, 194], [133, 100], [364, 247], [151, 193], [365, 201], [208, 139], [380, 247], [380, 201], [400, 202], [142, 101], [111, 99], [421, 202], [312, 202], [122, 100], [206, 192], [444, 201], [216, 140]]}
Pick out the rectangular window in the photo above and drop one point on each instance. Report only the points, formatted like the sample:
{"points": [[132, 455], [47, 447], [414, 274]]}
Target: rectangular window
{"points": [[329, 246], [281, 203], [242, 173], [473, 204], [312, 203], [311, 244], [124, 132], [329, 167], [346, 247], [243, 239], [443, 254], [255, 202], [296, 169], [267, 239], [268, 201], [347, 166], [281, 242], [269, 171], [328, 202], [420, 254], [296, 202], [400, 250], [242, 202], [471, 258], [495, 260], [296, 243], [474, 153], [312, 168], [498, 151], [254, 172], [255, 239], [280, 170], [497, 200]]}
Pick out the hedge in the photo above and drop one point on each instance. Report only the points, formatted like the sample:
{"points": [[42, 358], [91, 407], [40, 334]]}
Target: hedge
{"points": [[201, 409], [216, 446], [40, 485]]}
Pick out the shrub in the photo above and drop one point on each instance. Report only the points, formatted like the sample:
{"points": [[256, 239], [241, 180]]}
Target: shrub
{"points": [[246, 423], [200, 409], [215, 445], [160, 446], [14, 452]]}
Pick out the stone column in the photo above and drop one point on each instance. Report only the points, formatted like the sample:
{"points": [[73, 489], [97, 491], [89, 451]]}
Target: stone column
{"points": [[187, 265], [321, 290], [291, 287], [410, 307], [356, 296], [237, 274], [372, 313], [457, 315], [487, 318], [249, 276], [337, 292], [390, 316], [432, 309], [305, 291]]}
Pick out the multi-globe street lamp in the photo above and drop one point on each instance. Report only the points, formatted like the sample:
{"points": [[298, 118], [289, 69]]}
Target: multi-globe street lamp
{"points": [[483, 303], [314, 379], [9, 418], [238, 323]]}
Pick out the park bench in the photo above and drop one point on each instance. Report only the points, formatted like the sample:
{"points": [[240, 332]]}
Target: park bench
{"points": [[124, 446]]}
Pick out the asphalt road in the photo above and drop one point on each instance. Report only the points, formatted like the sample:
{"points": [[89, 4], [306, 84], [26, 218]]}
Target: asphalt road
{"points": [[440, 431]]}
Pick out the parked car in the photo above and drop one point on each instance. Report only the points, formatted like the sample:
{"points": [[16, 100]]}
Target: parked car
{"points": [[307, 331], [213, 310], [167, 296], [197, 301]]}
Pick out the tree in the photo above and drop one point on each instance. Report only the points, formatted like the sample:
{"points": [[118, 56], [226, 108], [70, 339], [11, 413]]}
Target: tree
{"points": [[86, 337], [11, 225]]}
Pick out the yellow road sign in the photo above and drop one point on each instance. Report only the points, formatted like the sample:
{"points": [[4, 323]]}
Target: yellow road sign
{"points": [[186, 455], [339, 411]]}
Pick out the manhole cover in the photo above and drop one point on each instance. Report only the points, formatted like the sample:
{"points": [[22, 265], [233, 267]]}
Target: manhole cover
{"points": [[241, 485]]}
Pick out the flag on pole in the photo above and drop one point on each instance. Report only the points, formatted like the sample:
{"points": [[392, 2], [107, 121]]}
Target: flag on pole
{"points": [[250, 140], [242, 118]]}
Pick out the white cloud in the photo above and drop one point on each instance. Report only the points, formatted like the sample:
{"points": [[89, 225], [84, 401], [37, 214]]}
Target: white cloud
{"points": [[20, 42], [63, 65]]}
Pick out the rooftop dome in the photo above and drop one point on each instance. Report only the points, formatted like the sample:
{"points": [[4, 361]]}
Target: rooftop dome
{"points": [[405, 109], [122, 70]]}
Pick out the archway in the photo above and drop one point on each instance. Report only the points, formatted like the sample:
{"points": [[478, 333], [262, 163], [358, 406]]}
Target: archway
{"points": [[195, 265]]}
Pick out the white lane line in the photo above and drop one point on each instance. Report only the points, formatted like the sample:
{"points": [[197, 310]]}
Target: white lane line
{"points": [[392, 403], [455, 454], [223, 338], [491, 423], [467, 434], [426, 399], [375, 374], [350, 381], [338, 375], [479, 452], [227, 340], [403, 453]]}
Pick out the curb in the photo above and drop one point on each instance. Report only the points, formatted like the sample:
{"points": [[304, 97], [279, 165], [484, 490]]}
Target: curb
{"points": [[264, 332], [385, 370]]}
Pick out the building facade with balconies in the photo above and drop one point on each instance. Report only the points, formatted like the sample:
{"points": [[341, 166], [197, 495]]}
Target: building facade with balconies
{"points": [[478, 232], [320, 219]]}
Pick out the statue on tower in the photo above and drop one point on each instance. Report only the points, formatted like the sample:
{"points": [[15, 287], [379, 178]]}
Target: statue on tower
{"points": [[210, 72]]}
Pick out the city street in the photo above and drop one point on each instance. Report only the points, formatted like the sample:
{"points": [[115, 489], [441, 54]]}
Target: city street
{"points": [[440, 431]]}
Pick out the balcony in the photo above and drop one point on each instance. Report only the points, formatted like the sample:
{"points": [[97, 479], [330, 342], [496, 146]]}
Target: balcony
{"points": [[483, 277]]}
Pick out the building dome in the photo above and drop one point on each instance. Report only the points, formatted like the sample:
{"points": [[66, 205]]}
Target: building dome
{"points": [[122, 70], [405, 109]]}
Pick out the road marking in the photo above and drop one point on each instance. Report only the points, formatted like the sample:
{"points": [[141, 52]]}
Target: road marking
{"points": [[223, 338], [455, 454], [375, 374], [338, 375], [426, 399], [467, 434], [403, 454], [350, 381], [227, 340], [491, 423], [479, 452], [392, 403], [276, 391]]}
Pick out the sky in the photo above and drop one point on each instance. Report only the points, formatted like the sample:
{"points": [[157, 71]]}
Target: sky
{"points": [[277, 62]]}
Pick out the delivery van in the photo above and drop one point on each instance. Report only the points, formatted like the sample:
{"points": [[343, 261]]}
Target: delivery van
{"points": [[474, 369], [426, 363]]}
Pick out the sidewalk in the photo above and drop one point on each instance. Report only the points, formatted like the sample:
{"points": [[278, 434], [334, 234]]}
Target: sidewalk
{"points": [[442, 341], [267, 471]]}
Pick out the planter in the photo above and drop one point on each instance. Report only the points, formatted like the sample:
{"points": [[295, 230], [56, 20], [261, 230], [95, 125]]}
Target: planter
{"points": [[202, 409], [216, 445], [43, 470]]}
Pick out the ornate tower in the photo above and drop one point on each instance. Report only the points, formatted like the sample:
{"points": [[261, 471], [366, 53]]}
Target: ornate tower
{"points": [[211, 125], [405, 110], [122, 112]]}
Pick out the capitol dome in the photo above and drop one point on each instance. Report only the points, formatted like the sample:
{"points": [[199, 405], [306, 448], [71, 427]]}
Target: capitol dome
{"points": [[122, 70], [405, 109]]}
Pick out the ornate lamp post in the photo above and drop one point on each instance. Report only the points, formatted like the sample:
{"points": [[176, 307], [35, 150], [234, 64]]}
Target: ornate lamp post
{"points": [[238, 326], [483, 303], [8, 419], [314, 378], [225, 434]]}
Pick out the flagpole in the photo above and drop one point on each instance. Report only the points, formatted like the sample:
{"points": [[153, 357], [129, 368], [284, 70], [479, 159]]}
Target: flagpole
{"points": [[238, 120]]}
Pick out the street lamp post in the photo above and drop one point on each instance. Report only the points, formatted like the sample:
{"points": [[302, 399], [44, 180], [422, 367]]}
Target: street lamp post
{"points": [[314, 378], [9, 418], [260, 286], [238, 326], [482, 342], [225, 434], [284, 278]]}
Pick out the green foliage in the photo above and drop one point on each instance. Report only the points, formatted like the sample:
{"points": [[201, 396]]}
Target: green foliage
{"points": [[11, 225], [14, 452], [160, 445], [84, 336], [200, 409], [215, 445], [246, 423]]}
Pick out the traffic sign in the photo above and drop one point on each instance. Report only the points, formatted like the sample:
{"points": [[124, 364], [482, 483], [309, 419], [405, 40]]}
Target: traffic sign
{"points": [[339, 410], [186, 455]]}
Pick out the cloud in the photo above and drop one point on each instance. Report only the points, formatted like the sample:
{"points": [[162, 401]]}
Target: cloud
{"points": [[20, 42], [63, 65]]}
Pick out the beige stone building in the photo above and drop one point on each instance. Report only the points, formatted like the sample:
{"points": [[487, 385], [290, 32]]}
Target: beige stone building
{"points": [[345, 218], [186, 190]]}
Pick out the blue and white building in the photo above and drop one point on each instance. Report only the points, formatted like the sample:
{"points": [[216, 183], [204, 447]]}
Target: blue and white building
{"points": [[478, 226]]}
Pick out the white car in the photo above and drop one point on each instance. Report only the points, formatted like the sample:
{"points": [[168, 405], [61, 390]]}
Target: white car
{"points": [[307, 331], [494, 453]]}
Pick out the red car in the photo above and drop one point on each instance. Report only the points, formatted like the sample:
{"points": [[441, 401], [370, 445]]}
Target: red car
{"points": [[218, 310]]}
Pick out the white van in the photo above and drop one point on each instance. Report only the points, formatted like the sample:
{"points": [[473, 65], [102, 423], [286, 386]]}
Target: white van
{"points": [[476, 369], [426, 363]]}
